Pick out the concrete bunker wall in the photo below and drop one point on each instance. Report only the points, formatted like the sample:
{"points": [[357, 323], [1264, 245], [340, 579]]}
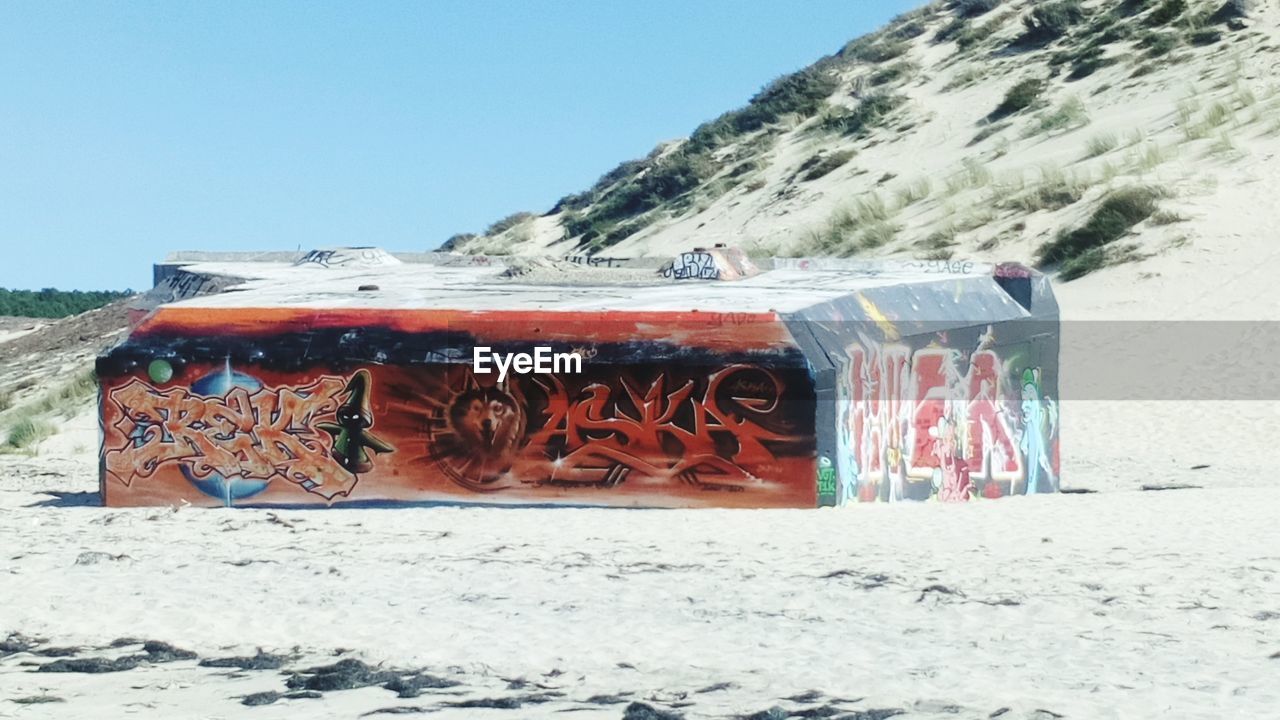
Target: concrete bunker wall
{"points": [[941, 390], [277, 407]]}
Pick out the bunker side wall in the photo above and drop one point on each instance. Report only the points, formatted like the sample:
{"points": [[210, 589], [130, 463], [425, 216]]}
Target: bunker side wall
{"points": [[223, 410]]}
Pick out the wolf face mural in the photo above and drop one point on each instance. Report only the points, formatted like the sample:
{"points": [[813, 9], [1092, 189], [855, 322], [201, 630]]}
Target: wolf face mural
{"points": [[478, 444]]}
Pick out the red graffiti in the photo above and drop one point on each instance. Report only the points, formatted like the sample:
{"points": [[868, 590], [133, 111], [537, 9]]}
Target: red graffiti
{"points": [[662, 433], [920, 416]]}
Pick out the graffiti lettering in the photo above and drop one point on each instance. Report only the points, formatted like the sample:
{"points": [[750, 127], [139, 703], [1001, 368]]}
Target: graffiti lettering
{"points": [[595, 260], [925, 416], [260, 435], [710, 434], [693, 266], [944, 267], [721, 319], [324, 258], [340, 257]]}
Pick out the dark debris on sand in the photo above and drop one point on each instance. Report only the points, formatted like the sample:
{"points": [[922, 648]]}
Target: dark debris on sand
{"points": [[615, 699], [271, 696], [260, 661], [773, 713], [345, 674], [37, 700], [823, 711], [506, 703], [58, 652], [17, 643], [641, 711], [153, 651], [163, 652], [820, 711], [411, 686], [92, 665], [399, 710]]}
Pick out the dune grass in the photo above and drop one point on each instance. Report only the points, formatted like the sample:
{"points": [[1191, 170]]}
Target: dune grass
{"points": [[1068, 115], [1017, 98], [25, 432], [1055, 190], [1101, 144], [68, 398], [852, 228], [29, 424], [1082, 250], [942, 238], [871, 208], [820, 165], [913, 192], [878, 234]]}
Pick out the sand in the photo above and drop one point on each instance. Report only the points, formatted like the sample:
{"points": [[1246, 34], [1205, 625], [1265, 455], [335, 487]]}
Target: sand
{"points": [[1119, 604]]}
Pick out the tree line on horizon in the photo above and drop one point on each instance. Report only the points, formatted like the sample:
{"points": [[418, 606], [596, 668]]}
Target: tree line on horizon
{"points": [[53, 303]]}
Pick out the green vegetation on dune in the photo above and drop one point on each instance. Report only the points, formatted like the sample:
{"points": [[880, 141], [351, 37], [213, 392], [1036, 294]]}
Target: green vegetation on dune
{"points": [[508, 222], [51, 303], [1083, 249], [28, 424], [26, 432], [867, 115], [831, 129], [1166, 12], [1019, 97], [821, 165], [1049, 21], [610, 211]]}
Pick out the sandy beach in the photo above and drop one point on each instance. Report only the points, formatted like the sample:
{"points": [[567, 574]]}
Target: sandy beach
{"points": [[1122, 604]]}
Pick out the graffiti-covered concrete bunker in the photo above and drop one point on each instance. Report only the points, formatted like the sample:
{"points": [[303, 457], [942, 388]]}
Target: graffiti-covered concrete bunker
{"points": [[353, 377]]}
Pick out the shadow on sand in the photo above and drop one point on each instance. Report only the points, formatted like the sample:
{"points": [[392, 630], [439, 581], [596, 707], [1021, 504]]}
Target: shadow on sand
{"points": [[69, 499]]}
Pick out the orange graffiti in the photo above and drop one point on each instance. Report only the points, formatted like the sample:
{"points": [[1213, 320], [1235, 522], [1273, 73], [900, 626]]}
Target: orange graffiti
{"points": [[263, 435], [668, 434]]}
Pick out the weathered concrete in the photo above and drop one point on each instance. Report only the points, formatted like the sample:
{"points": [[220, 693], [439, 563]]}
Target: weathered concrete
{"points": [[345, 376]]}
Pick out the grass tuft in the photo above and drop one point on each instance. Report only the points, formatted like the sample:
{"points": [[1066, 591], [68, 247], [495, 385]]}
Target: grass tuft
{"points": [[1079, 250], [1019, 97], [1070, 115], [1098, 258], [878, 234], [1049, 21], [871, 208], [1167, 217], [871, 113], [1102, 144], [26, 431], [821, 164], [1166, 12], [900, 71], [913, 192], [1055, 191], [509, 222]]}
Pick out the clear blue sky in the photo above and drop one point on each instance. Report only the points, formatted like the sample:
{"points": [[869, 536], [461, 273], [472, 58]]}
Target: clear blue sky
{"points": [[129, 129]]}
